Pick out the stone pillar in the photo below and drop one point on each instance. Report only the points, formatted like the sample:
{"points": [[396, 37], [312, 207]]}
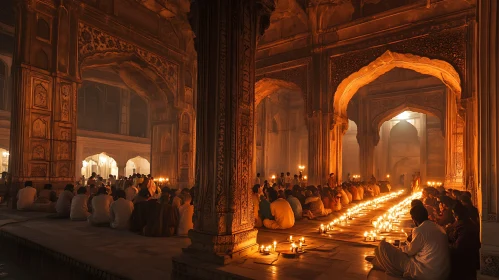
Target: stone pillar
{"points": [[318, 143], [43, 123], [125, 112], [339, 127], [454, 128], [164, 145], [366, 154], [488, 108], [423, 139], [223, 216]]}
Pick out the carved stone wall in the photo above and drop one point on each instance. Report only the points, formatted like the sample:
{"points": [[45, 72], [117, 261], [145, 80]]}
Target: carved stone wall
{"points": [[43, 127]]}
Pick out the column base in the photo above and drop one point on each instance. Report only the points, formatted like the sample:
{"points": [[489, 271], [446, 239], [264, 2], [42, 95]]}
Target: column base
{"points": [[208, 252]]}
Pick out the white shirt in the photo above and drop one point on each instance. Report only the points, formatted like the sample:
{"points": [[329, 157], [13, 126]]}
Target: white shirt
{"points": [[79, 207], [186, 211], [177, 201], [287, 180], [121, 210], [25, 198], [63, 205], [257, 181], [101, 205], [131, 192], [428, 252]]}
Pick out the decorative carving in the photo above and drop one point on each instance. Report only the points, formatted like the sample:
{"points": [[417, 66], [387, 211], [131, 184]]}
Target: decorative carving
{"points": [[63, 151], [492, 217], [489, 265], [65, 102], [40, 95], [93, 41], [63, 170], [39, 128], [447, 45], [189, 96], [38, 170], [38, 152]]}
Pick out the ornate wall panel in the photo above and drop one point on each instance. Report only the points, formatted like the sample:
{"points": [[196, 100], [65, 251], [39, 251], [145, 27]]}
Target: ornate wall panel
{"points": [[92, 41]]}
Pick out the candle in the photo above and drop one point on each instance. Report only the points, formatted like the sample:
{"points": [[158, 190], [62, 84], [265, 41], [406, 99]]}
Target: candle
{"points": [[275, 245], [302, 240], [261, 249]]}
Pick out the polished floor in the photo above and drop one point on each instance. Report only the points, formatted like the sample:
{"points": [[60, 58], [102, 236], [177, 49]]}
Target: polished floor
{"points": [[338, 254]]}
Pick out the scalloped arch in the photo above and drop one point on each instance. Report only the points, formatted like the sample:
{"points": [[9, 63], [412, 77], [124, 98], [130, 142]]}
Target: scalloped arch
{"points": [[386, 62]]}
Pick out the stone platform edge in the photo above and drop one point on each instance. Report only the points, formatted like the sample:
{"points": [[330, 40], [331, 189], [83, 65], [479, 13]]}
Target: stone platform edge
{"points": [[43, 260]]}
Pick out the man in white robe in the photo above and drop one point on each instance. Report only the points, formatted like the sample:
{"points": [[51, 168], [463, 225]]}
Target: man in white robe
{"points": [[121, 211], [425, 257]]}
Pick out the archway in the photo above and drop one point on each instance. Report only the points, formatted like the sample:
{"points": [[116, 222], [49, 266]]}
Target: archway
{"points": [[427, 97], [102, 164], [386, 62], [137, 164], [281, 133], [350, 151]]}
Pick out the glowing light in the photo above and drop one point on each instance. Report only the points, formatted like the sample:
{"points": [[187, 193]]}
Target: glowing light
{"points": [[85, 163], [403, 116], [5, 154]]}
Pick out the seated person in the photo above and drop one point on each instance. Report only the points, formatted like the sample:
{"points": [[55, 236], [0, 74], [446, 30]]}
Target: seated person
{"points": [[349, 195], [344, 197], [121, 210], [425, 257], [79, 206], [185, 213], [162, 221], [101, 208], [177, 200], [335, 204], [142, 210], [26, 196], [316, 206], [284, 217], [355, 193], [445, 218], [131, 192], [472, 210], [256, 205], [46, 200], [63, 204], [264, 207], [295, 205], [464, 241]]}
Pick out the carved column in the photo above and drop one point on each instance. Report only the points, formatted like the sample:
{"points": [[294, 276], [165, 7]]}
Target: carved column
{"points": [[43, 126], [488, 92], [223, 216], [423, 139], [454, 144], [339, 126]]}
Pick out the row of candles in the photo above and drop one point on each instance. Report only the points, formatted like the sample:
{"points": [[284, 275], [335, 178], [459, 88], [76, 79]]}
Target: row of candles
{"points": [[294, 248], [384, 223], [357, 209], [434, 184]]}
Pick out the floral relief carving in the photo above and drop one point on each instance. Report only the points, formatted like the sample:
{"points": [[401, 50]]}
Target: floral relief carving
{"points": [[64, 170], [39, 128], [38, 152], [93, 41], [63, 151], [38, 170], [65, 102], [40, 95]]}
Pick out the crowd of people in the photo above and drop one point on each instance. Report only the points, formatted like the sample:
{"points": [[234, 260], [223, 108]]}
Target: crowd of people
{"points": [[444, 244], [135, 203], [280, 204]]}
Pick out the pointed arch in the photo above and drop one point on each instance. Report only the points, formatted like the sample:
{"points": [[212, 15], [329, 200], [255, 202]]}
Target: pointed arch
{"points": [[386, 62]]}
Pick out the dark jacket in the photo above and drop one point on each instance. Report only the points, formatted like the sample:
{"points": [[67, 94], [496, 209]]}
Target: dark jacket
{"points": [[464, 243]]}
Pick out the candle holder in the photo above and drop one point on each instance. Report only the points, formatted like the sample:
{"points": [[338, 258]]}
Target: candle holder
{"points": [[369, 236], [323, 229]]}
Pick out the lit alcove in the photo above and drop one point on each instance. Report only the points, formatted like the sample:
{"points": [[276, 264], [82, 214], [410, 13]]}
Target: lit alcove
{"points": [[137, 165], [101, 164], [4, 160]]}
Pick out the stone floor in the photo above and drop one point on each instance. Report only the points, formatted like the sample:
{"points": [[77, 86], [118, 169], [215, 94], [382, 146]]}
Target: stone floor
{"points": [[339, 254]]}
